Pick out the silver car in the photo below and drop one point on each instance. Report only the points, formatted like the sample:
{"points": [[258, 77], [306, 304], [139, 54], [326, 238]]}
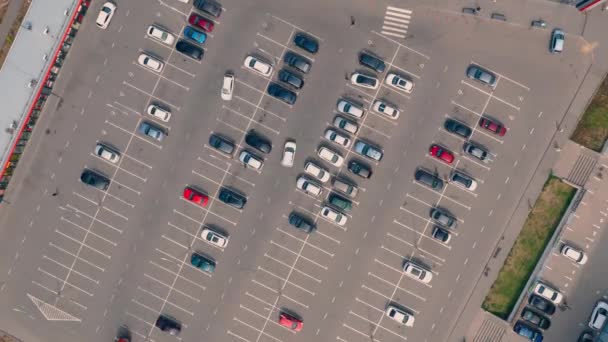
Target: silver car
{"points": [[367, 150], [151, 131]]}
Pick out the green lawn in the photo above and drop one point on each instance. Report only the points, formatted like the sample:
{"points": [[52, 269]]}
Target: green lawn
{"points": [[592, 129], [529, 246]]}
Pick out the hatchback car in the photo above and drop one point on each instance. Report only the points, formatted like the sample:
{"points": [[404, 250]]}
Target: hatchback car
{"points": [[105, 15], [227, 87], [258, 142], [94, 179], [463, 180], [202, 262], [333, 215], [368, 60], [168, 324], [350, 108], [340, 202], [441, 154], [189, 50], [557, 41], [209, 7], [195, 196], [417, 272], [250, 160], [345, 124], [106, 153], [221, 144], [574, 254], [298, 62], [330, 156], [160, 34], [337, 138], [482, 75], [159, 112], [151, 130], [194, 34], [309, 186], [290, 321], [316, 171], [258, 66], [359, 169], [457, 128], [493, 126], [201, 22], [598, 316], [215, 238], [291, 79], [528, 332], [429, 179], [475, 150], [441, 234], [289, 153], [535, 318], [150, 62], [232, 198], [387, 109], [541, 304], [368, 150], [399, 83], [548, 292], [344, 187], [364, 81], [443, 217], [306, 43], [283, 94], [301, 222], [400, 316]]}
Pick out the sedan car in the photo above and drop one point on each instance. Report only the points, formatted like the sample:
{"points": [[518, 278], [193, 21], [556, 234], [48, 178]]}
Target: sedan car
{"points": [[194, 34], [359, 169], [492, 125], [150, 62], [574, 254], [94, 179], [189, 50], [528, 332], [429, 179], [168, 324], [441, 234], [333, 215], [290, 322], [364, 81], [258, 142], [368, 60], [258, 66], [482, 75], [457, 128], [209, 7], [541, 304], [221, 144], [345, 187], [535, 318], [151, 131], [548, 292], [330, 156], [104, 152], [557, 41], [227, 87], [367, 150], [308, 186], [475, 150], [283, 94], [442, 217], [202, 262], [337, 138], [350, 108], [463, 180], [289, 153], [105, 15], [387, 109], [195, 196], [159, 112], [306, 42], [298, 62], [345, 124], [441, 154], [215, 238], [417, 272], [301, 222], [200, 22], [317, 171], [232, 198], [400, 83], [400, 316], [291, 79], [251, 160], [160, 34]]}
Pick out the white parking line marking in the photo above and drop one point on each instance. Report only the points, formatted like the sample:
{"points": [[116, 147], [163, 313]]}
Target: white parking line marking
{"points": [[230, 125], [205, 177], [401, 45], [418, 248], [376, 130], [133, 135], [502, 76], [81, 243], [231, 174], [256, 329], [297, 270], [85, 230], [400, 288], [115, 213], [126, 187], [76, 257], [171, 287], [94, 218], [262, 316], [161, 76], [285, 47], [137, 161], [120, 168], [378, 325], [251, 119], [182, 70], [65, 282], [67, 268], [116, 108], [297, 27], [305, 242], [303, 257], [466, 108], [490, 95], [367, 336], [237, 336], [286, 281], [169, 302], [442, 196], [150, 95], [426, 204], [85, 198], [260, 108]]}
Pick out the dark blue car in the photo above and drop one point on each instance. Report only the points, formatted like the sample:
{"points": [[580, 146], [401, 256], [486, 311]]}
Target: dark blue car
{"points": [[528, 332]]}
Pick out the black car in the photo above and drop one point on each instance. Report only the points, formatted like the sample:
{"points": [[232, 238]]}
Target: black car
{"points": [[168, 324], [189, 50], [429, 179], [359, 169], [232, 198], [340, 202], [306, 43], [586, 336], [258, 142], [528, 332], [301, 222], [95, 179], [210, 7], [221, 144], [541, 304], [282, 94], [202, 262], [457, 128], [535, 318], [372, 62], [440, 234], [298, 62], [291, 78]]}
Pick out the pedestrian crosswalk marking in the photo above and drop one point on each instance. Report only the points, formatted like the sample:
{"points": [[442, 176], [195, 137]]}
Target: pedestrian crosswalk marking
{"points": [[396, 21]]}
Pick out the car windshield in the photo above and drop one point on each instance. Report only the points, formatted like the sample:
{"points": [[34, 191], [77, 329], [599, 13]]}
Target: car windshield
{"points": [[416, 272], [366, 80], [107, 10]]}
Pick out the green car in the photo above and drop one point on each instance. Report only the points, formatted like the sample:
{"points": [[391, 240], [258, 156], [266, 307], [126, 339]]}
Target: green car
{"points": [[202, 262], [340, 202]]}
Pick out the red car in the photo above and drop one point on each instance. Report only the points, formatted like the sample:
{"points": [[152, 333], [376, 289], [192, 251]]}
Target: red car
{"points": [[195, 196], [493, 126], [441, 154], [290, 322], [197, 20]]}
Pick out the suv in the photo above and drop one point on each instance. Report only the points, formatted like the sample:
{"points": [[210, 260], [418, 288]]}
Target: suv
{"points": [[209, 7], [372, 62], [306, 43], [463, 180], [359, 169], [475, 150], [301, 222], [258, 142], [168, 324], [458, 128], [557, 41], [367, 150], [95, 179], [429, 179], [232, 198], [282, 94], [340, 202], [297, 62], [202, 262], [345, 188], [442, 217], [290, 78], [528, 332], [221, 144]]}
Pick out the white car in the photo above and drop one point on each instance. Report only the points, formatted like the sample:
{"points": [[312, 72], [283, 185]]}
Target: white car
{"points": [[160, 35], [350, 108], [227, 87], [387, 109], [337, 138], [150, 62], [254, 64], [331, 156], [159, 113], [308, 186], [333, 215], [400, 316], [399, 83], [214, 238], [346, 125], [417, 272], [364, 81], [599, 315], [105, 15], [250, 160], [574, 254], [549, 293], [317, 171], [289, 154], [106, 153]]}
